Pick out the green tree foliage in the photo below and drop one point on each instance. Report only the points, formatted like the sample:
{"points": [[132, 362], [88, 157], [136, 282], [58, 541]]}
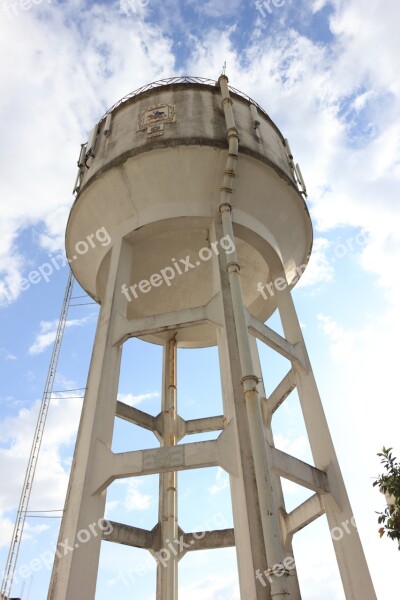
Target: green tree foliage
{"points": [[389, 484]]}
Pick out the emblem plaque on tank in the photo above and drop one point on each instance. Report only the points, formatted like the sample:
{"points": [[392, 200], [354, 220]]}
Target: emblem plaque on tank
{"points": [[155, 117]]}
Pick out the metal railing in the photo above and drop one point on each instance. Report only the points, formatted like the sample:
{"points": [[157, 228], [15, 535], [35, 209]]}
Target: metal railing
{"points": [[185, 79]]}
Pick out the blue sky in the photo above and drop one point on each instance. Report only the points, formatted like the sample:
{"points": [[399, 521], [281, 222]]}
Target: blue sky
{"points": [[327, 73]]}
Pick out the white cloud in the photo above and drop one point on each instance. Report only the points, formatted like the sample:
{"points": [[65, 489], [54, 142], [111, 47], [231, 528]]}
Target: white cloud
{"points": [[4, 353], [111, 506], [16, 435], [365, 417], [350, 161], [133, 399], [217, 8], [319, 270], [45, 337], [134, 499], [48, 331], [11, 270], [221, 482], [369, 359], [296, 446], [6, 531], [344, 342], [213, 588], [339, 107], [318, 5], [72, 63], [38, 528]]}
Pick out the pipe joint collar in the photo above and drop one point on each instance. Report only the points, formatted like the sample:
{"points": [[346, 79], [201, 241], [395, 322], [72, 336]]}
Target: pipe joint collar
{"points": [[233, 267], [249, 383], [233, 132], [224, 77], [225, 207]]}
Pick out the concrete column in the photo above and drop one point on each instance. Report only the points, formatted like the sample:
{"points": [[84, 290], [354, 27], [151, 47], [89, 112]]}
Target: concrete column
{"points": [[75, 568], [353, 568], [256, 520], [167, 576], [292, 580], [260, 450], [250, 549]]}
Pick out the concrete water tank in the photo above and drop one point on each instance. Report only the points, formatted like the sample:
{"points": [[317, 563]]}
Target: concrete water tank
{"points": [[172, 175], [154, 168]]}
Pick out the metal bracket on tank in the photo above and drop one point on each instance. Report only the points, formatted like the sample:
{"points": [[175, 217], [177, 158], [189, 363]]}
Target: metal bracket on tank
{"points": [[298, 176], [81, 164]]}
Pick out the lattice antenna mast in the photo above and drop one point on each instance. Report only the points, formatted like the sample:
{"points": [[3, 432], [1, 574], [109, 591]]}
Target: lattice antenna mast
{"points": [[12, 558]]}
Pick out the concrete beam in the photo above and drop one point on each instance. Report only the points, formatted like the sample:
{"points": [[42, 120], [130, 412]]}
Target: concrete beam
{"points": [[209, 540], [205, 425], [150, 540], [131, 536], [274, 340], [111, 466], [304, 514], [154, 424], [281, 392], [125, 328], [198, 425], [136, 416], [299, 472]]}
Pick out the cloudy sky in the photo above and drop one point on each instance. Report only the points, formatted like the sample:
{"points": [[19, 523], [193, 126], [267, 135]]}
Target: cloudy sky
{"points": [[327, 73]]}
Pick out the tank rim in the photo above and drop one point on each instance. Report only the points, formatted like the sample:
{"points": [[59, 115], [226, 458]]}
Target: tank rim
{"points": [[186, 81]]}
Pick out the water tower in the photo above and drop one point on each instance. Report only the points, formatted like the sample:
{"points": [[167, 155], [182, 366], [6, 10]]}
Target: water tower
{"points": [[197, 189]]}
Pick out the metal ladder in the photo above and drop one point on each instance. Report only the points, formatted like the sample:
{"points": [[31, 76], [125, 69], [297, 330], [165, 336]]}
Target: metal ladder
{"points": [[12, 558]]}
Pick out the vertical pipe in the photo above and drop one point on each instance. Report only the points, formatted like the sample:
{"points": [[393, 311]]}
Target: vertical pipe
{"points": [[249, 541], [167, 576], [269, 514], [292, 580]]}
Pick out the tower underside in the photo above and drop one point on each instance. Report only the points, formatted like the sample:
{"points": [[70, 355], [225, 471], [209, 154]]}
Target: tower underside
{"points": [[241, 242]]}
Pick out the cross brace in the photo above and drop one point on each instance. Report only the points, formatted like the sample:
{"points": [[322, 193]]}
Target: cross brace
{"points": [[150, 539], [154, 424], [110, 466], [299, 472]]}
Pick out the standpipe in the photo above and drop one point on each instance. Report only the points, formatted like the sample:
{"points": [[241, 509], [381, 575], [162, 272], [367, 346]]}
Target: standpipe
{"points": [[168, 574], [249, 381]]}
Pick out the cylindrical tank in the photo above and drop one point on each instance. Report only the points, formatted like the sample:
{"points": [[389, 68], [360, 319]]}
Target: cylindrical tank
{"points": [[154, 169]]}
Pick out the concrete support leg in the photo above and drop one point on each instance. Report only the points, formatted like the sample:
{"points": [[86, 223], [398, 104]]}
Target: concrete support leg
{"points": [[293, 582], [167, 575], [354, 571], [255, 504], [75, 568], [250, 549]]}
